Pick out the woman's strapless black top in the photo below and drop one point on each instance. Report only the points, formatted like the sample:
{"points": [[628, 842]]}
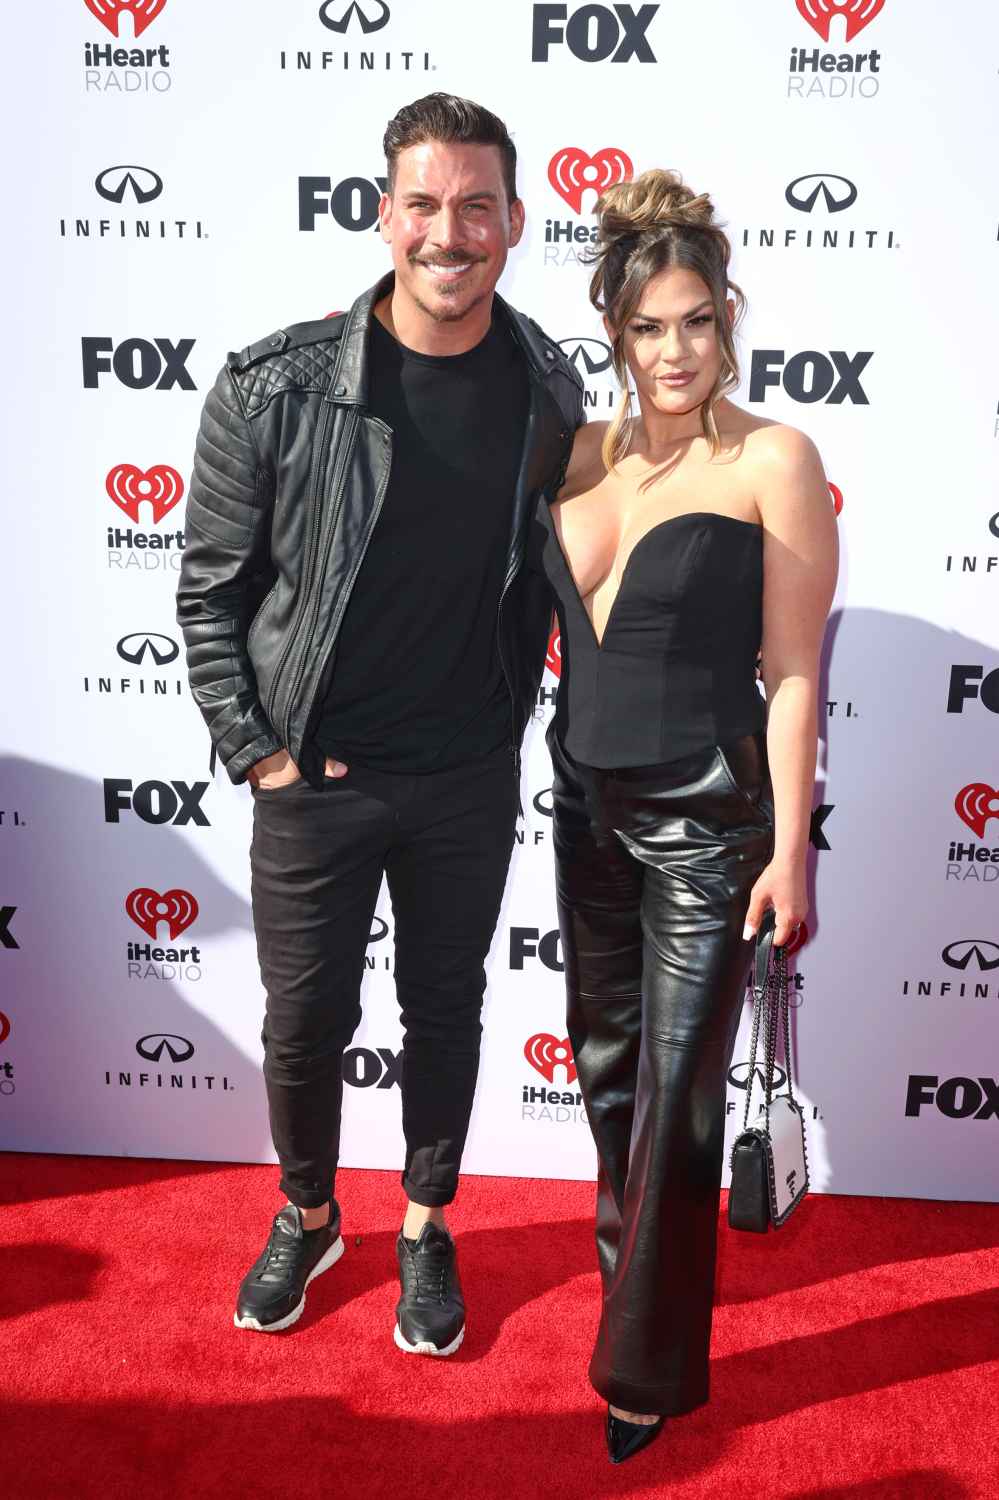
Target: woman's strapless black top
{"points": [[676, 669]]}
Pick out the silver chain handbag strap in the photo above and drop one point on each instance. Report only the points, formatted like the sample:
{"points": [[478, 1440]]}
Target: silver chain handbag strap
{"points": [[784, 1004]]}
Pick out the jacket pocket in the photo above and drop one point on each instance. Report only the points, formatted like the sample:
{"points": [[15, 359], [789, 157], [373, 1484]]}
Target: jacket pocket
{"points": [[268, 599]]}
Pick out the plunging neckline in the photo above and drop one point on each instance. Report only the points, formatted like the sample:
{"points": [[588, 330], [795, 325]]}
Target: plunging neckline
{"points": [[684, 515]]}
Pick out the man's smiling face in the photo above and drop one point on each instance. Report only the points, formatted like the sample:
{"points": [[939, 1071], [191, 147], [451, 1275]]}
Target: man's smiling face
{"points": [[450, 226]]}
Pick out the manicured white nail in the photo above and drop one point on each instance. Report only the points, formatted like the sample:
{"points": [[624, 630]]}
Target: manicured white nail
{"points": [[748, 932]]}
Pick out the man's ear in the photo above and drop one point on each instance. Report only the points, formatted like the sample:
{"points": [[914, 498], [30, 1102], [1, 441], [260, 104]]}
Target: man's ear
{"points": [[517, 217], [385, 218]]}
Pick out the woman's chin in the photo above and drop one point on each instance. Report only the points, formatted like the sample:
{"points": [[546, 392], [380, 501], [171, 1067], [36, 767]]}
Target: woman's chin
{"points": [[677, 403]]}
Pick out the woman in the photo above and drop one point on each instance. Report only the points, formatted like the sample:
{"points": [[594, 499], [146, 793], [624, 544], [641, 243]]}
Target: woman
{"points": [[681, 538]]}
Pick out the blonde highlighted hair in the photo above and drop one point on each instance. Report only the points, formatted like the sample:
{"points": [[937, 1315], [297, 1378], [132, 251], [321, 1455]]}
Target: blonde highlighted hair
{"points": [[644, 227]]}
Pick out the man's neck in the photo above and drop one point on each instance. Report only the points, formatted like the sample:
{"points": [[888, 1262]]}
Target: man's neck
{"points": [[416, 330]]}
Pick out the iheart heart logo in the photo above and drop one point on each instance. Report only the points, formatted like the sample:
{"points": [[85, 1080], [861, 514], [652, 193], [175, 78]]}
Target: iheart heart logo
{"points": [[178, 909], [858, 13], [976, 804], [571, 172], [837, 496], [546, 1053], [108, 12], [128, 486], [553, 661]]}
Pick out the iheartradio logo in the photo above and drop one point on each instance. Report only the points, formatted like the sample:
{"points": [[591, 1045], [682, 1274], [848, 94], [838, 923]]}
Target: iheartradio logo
{"points": [[976, 804], [178, 909], [4, 1027], [546, 1053], [128, 486], [857, 14], [837, 496], [108, 12], [571, 172], [553, 661]]}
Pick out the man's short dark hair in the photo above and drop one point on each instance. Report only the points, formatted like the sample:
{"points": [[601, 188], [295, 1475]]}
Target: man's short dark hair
{"points": [[446, 118]]}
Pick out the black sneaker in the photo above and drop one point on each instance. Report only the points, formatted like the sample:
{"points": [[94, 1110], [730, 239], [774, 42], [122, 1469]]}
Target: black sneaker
{"points": [[272, 1293], [430, 1314]]}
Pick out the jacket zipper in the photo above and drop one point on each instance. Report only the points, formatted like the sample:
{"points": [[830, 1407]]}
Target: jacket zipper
{"points": [[510, 574], [325, 416], [348, 586], [514, 745], [344, 454]]}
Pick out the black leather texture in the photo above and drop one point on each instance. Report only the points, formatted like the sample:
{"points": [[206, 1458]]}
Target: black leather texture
{"points": [[749, 1194], [655, 866], [290, 471]]}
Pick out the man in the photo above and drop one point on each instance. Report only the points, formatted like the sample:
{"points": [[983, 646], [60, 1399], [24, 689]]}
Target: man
{"points": [[366, 624]]}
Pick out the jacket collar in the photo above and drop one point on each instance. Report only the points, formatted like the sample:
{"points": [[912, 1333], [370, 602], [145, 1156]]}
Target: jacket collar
{"points": [[349, 382]]}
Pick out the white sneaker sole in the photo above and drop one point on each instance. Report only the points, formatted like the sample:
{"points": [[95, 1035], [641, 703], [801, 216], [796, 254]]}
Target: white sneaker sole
{"points": [[331, 1257], [425, 1346]]}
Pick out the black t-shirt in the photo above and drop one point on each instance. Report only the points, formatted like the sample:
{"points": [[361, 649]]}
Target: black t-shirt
{"points": [[417, 682]]}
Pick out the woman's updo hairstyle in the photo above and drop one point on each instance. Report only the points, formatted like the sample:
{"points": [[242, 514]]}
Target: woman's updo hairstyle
{"points": [[645, 227]]}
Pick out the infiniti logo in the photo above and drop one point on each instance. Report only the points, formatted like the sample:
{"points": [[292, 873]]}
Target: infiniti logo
{"points": [[136, 647], [379, 929], [153, 1046], [961, 954], [367, 22], [543, 803], [837, 193], [114, 182], [739, 1077], [590, 356]]}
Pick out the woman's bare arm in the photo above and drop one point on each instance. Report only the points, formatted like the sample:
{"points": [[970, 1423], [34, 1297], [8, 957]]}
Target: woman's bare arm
{"points": [[800, 562]]}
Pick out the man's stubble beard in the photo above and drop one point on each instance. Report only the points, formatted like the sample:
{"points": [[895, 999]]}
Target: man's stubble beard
{"points": [[452, 314]]}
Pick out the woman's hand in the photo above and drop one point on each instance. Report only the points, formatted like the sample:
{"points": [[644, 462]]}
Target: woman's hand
{"points": [[782, 886]]}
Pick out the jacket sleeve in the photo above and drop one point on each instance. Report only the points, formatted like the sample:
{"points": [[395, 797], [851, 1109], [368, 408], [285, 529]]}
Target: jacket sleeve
{"points": [[574, 409], [579, 418], [228, 525]]}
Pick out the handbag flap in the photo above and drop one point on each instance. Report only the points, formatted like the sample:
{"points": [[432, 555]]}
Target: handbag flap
{"points": [[749, 1192]]}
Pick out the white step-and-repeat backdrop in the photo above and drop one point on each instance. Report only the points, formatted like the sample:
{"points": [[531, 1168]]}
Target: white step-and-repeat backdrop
{"points": [[187, 176]]}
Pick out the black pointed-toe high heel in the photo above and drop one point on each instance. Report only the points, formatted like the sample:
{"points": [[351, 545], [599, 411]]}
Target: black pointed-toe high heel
{"points": [[625, 1439]]}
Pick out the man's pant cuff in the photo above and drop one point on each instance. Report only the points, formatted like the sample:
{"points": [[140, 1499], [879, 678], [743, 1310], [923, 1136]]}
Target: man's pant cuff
{"points": [[306, 1197], [428, 1197]]}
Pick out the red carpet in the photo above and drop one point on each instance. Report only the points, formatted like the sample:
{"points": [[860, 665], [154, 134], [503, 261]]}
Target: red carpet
{"points": [[855, 1353]]}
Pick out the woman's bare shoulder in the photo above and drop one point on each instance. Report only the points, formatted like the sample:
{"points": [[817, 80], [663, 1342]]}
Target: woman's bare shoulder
{"points": [[773, 444]]}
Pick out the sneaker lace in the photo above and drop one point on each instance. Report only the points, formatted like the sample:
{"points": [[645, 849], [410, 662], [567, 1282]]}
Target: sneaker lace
{"points": [[281, 1249], [431, 1270]]}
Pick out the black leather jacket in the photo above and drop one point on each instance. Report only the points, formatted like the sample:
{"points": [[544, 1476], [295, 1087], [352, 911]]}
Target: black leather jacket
{"points": [[290, 472]]}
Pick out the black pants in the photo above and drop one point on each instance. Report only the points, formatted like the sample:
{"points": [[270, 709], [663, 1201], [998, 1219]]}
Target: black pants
{"points": [[443, 841], [654, 870]]}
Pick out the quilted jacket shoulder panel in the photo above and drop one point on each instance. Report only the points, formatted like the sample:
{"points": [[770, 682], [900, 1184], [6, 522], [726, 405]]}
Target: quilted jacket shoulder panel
{"points": [[301, 357]]}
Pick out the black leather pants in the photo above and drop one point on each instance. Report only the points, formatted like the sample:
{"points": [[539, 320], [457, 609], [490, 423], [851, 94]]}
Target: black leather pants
{"points": [[654, 866]]}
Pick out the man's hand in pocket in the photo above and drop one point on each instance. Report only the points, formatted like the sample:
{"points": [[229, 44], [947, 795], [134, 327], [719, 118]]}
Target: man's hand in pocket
{"points": [[273, 771]]}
